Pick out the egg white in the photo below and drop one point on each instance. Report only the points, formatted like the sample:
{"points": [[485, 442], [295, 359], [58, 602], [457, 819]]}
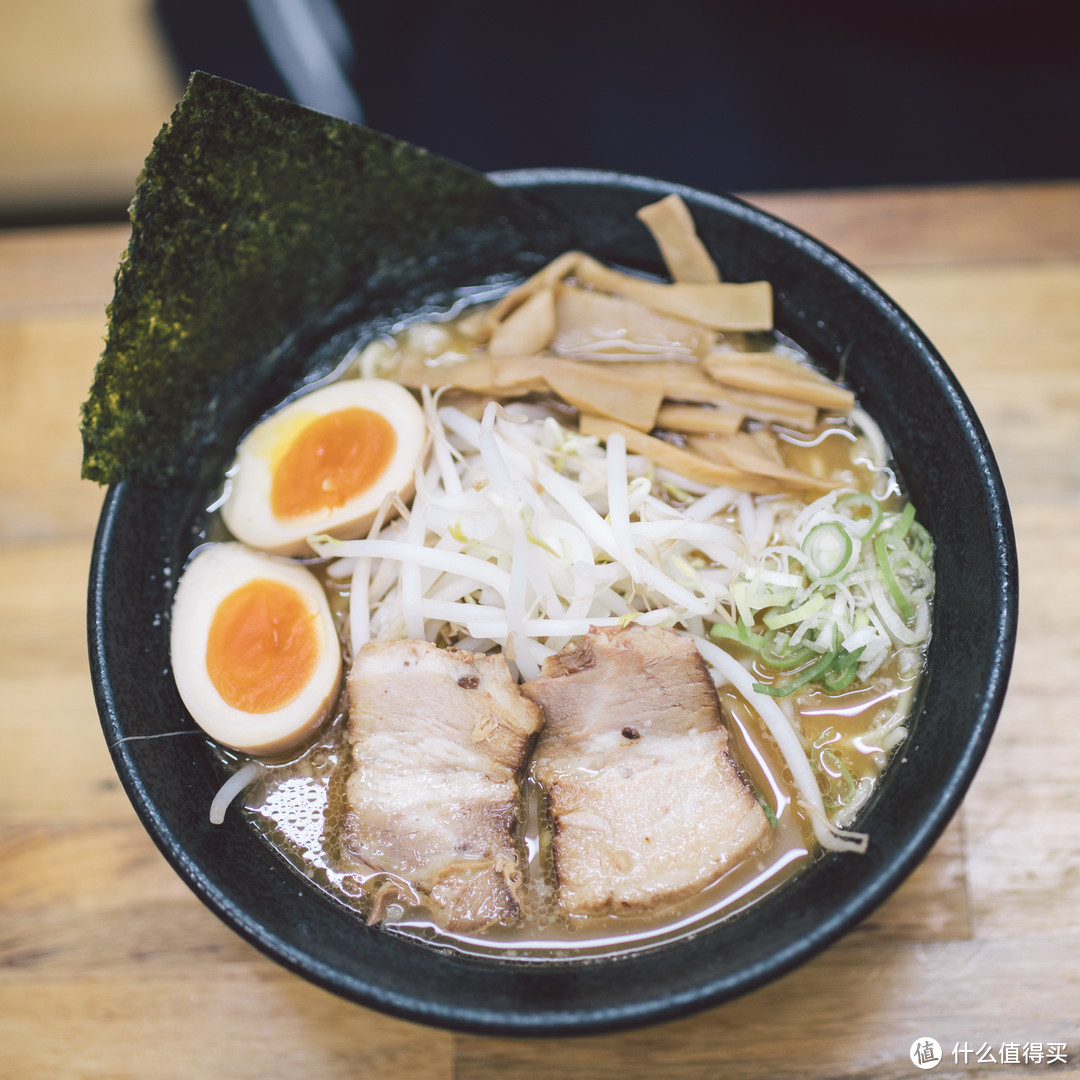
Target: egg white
{"points": [[247, 510], [213, 574]]}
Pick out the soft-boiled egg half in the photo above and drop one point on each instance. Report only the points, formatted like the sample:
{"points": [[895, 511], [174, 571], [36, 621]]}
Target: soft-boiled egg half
{"points": [[324, 464], [255, 654]]}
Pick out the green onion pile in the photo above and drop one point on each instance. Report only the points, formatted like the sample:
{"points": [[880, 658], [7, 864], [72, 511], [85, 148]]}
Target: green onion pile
{"points": [[829, 607]]}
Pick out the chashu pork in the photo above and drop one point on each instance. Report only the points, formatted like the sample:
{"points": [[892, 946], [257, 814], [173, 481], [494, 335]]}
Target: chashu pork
{"points": [[439, 739], [646, 803]]}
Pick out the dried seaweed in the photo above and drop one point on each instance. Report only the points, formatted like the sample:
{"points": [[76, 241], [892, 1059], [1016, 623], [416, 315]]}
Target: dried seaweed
{"points": [[255, 221]]}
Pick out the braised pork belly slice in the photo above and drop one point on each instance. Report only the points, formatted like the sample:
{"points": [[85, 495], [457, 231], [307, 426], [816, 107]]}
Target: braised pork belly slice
{"points": [[645, 800], [439, 739]]}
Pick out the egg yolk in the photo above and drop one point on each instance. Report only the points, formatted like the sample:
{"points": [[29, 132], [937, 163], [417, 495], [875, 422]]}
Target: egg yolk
{"points": [[332, 460], [263, 646]]}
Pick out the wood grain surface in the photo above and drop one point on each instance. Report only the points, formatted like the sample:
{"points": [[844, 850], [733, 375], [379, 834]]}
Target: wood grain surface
{"points": [[111, 968]]}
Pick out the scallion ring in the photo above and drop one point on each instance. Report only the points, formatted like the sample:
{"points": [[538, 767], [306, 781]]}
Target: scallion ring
{"points": [[843, 674], [809, 675], [852, 505], [828, 548], [781, 658]]}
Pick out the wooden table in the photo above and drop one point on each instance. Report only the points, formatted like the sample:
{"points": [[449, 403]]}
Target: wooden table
{"points": [[109, 966]]}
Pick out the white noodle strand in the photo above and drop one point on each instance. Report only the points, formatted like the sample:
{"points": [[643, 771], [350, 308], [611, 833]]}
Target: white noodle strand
{"points": [[241, 779]]}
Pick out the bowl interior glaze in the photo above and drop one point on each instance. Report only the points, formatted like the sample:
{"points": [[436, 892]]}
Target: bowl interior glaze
{"points": [[842, 320]]}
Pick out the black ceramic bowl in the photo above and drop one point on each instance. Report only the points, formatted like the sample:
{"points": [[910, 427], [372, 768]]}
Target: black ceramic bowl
{"points": [[833, 311]]}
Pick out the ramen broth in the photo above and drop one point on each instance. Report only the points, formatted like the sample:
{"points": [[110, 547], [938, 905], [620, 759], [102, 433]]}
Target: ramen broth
{"points": [[299, 805]]}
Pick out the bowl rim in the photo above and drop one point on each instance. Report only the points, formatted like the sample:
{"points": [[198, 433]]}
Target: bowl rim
{"points": [[518, 1021]]}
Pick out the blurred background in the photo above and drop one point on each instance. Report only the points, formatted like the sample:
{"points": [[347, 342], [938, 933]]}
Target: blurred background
{"points": [[768, 95]]}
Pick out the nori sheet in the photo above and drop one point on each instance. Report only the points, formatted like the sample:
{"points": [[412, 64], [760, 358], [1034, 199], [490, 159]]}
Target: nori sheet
{"points": [[256, 221]]}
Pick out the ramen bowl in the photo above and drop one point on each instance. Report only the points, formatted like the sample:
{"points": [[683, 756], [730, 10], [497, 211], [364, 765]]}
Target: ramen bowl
{"points": [[840, 318]]}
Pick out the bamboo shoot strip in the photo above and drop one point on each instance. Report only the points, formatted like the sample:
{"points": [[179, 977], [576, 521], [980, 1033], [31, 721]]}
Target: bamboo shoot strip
{"points": [[796, 381], [672, 227]]}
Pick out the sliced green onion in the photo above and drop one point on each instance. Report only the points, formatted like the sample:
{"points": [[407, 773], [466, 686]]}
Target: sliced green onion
{"points": [[855, 501], [809, 675], [740, 633], [843, 674], [903, 604], [788, 618], [830, 763], [770, 814], [742, 602], [908, 565], [836, 682], [780, 658], [766, 588], [828, 548], [920, 542], [899, 528], [835, 765]]}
